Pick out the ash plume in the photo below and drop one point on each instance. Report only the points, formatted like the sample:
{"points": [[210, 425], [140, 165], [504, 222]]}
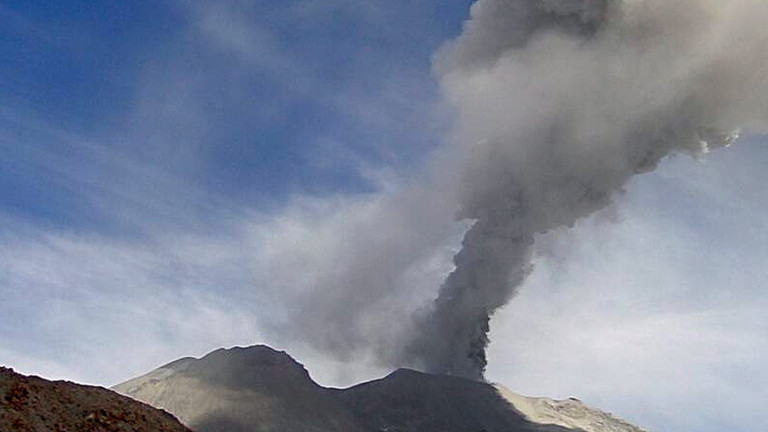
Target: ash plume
{"points": [[560, 103]]}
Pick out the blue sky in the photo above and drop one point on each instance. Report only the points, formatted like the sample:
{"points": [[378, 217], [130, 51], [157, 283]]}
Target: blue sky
{"points": [[234, 100], [175, 176]]}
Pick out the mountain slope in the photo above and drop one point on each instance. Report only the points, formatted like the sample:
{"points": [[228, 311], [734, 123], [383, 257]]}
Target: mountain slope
{"points": [[242, 389], [35, 404], [259, 389], [569, 413], [407, 400]]}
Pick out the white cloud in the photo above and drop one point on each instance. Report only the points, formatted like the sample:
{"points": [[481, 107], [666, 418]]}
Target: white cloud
{"points": [[658, 317], [102, 309], [290, 279]]}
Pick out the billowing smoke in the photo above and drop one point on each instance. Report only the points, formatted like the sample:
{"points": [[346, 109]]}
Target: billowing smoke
{"points": [[561, 102]]}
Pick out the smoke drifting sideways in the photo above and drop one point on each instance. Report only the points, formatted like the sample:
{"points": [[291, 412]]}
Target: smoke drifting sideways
{"points": [[560, 103]]}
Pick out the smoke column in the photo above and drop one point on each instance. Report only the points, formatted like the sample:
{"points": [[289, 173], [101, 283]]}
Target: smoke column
{"points": [[560, 103]]}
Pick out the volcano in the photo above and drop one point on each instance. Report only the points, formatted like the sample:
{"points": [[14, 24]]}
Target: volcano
{"points": [[260, 389]]}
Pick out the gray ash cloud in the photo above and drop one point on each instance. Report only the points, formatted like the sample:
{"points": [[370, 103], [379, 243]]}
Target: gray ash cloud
{"points": [[560, 103]]}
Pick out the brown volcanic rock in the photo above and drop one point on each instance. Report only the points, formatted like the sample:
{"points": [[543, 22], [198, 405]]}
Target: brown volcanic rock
{"points": [[32, 404]]}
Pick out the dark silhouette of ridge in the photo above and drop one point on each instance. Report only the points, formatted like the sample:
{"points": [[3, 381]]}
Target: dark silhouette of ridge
{"points": [[407, 400]]}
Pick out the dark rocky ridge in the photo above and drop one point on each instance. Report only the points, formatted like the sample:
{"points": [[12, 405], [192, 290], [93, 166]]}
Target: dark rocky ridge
{"points": [[410, 401], [32, 404]]}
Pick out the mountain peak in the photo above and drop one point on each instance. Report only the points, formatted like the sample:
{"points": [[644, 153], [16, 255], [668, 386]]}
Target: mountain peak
{"points": [[242, 389], [248, 366]]}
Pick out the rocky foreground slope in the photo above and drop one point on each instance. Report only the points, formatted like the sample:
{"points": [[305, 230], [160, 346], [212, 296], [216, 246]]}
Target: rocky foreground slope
{"points": [[260, 389], [32, 404]]}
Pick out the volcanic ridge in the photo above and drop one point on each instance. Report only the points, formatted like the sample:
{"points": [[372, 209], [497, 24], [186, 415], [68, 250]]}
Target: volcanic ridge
{"points": [[260, 389]]}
